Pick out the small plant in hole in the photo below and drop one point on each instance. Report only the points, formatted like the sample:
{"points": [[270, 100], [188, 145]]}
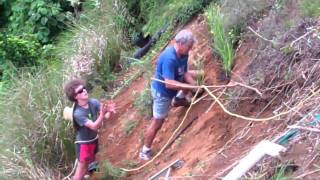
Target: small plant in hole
{"points": [[129, 126], [199, 67], [284, 171], [143, 102], [129, 163]]}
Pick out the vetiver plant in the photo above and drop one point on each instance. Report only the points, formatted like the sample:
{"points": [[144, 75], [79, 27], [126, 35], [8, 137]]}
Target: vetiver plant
{"points": [[129, 126], [222, 40], [44, 19], [199, 66], [143, 102]]}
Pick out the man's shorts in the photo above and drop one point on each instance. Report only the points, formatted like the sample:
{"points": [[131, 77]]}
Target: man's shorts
{"points": [[161, 105], [86, 152]]}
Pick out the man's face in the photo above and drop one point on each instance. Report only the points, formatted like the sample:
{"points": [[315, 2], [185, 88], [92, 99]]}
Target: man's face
{"points": [[81, 92], [185, 48]]}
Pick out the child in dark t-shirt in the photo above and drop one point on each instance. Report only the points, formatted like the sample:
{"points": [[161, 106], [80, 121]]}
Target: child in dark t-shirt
{"points": [[88, 116]]}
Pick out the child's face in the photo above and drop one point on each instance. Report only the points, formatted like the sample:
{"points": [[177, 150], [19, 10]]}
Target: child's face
{"points": [[81, 92]]}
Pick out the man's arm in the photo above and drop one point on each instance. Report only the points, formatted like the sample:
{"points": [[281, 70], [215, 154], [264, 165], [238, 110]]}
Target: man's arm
{"points": [[176, 85], [195, 73]]}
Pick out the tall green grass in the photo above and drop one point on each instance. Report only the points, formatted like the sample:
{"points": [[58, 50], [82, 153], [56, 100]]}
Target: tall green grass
{"points": [[91, 48], [310, 7], [222, 40], [34, 137]]}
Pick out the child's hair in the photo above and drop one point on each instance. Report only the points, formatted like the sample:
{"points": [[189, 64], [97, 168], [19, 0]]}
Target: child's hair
{"points": [[70, 87]]}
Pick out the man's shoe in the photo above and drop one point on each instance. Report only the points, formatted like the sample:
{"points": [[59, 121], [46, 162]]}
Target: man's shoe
{"points": [[176, 102], [146, 156]]}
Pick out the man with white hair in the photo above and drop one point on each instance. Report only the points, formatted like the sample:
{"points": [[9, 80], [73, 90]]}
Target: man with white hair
{"points": [[175, 83]]}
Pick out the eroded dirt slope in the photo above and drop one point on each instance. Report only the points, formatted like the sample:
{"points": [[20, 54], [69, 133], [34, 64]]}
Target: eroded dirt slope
{"points": [[211, 140]]}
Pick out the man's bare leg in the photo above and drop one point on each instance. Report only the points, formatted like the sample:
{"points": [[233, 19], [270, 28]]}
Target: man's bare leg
{"points": [[152, 130]]}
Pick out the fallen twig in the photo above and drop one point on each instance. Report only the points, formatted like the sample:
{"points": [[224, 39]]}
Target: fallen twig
{"points": [[260, 35], [306, 34], [308, 173], [304, 128]]}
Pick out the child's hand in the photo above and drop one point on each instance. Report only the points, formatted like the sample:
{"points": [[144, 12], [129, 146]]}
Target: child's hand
{"points": [[111, 107], [108, 106], [107, 115]]}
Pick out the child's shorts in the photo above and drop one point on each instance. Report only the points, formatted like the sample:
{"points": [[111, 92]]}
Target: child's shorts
{"points": [[86, 152]]}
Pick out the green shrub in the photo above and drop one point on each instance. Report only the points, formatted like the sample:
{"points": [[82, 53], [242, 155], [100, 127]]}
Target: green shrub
{"points": [[21, 52], [159, 13], [310, 7], [33, 131], [149, 16], [43, 18], [222, 41], [5, 10], [16, 52]]}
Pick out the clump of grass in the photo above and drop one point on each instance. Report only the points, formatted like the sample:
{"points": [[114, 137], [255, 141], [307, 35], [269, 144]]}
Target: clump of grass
{"points": [[33, 130], [91, 47], [129, 126], [222, 42], [143, 102], [111, 172], [158, 13], [199, 66], [310, 7], [17, 165], [279, 174], [130, 163]]}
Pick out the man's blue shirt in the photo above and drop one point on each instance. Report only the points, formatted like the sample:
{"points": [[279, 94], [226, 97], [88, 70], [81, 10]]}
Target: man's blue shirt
{"points": [[169, 66]]}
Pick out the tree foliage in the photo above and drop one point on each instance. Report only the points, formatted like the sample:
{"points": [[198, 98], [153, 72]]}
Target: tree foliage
{"points": [[44, 18], [20, 51]]}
